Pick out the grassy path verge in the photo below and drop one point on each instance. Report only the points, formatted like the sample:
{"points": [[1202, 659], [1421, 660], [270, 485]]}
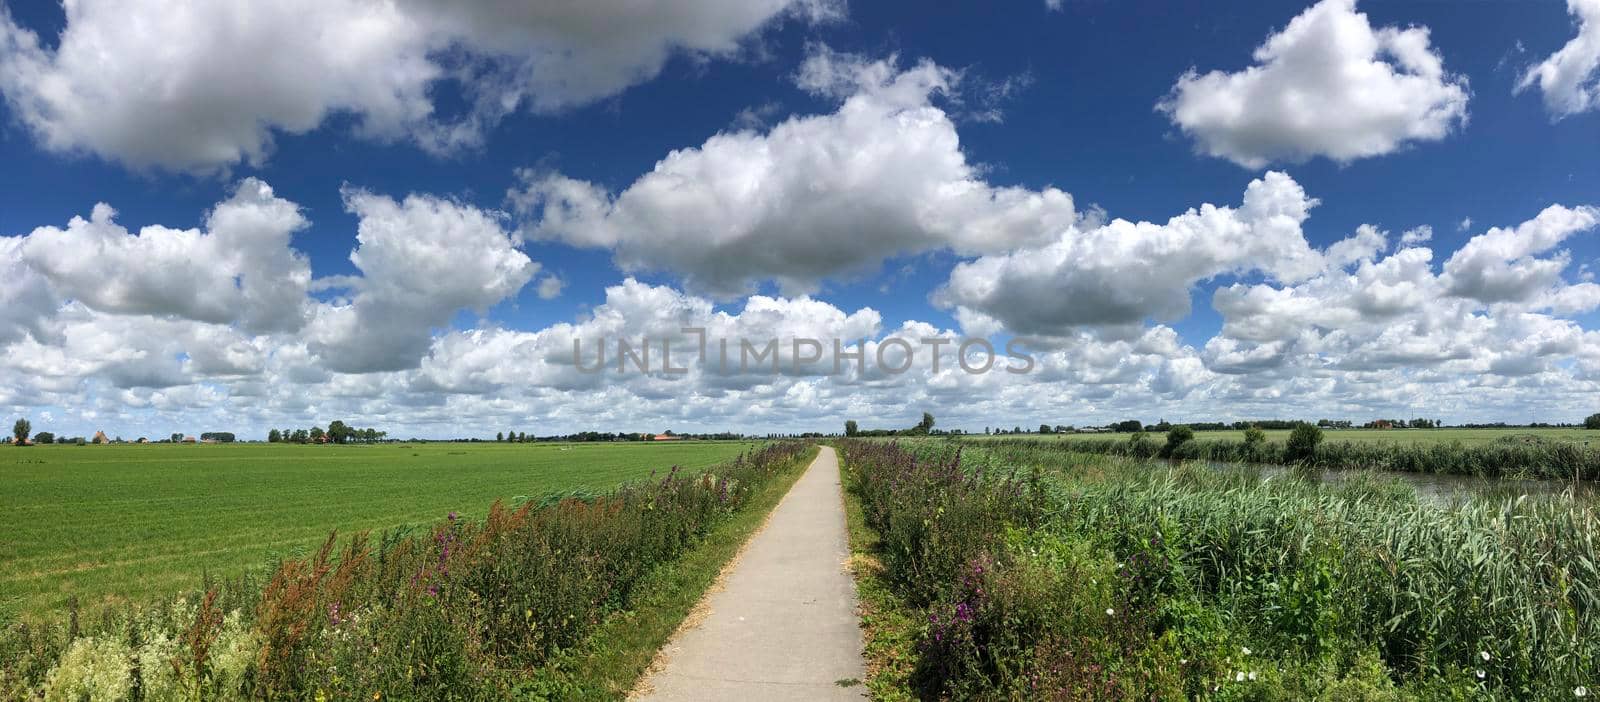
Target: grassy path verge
{"points": [[610, 661], [888, 626]]}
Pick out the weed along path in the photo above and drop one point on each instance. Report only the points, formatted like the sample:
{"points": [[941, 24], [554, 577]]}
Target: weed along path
{"points": [[783, 624]]}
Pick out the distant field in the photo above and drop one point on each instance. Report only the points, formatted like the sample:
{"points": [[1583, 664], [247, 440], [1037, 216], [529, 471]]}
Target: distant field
{"points": [[101, 522], [1465, 436]]}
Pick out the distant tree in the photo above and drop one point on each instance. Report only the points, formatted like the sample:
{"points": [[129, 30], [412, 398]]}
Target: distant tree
{"points": [[850, 428], [44, 437], [274, 436], [177, 437], [1302, 444], [522, 437], [1044, 429], [22, 429], [223, 437], [926, 425], [317, 434], [1130, 425], [499, 436], [1592, 421], [338, 431]]}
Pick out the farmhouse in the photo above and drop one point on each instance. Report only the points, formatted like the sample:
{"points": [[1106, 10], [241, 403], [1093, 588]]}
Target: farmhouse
{"points": [[664, 437], [100, 438], [188, 440]]}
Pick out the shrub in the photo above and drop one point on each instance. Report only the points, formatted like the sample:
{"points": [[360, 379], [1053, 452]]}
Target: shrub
{"points": [[1253, 436], [1176, 437], [1139, 445], [1302, 443]]}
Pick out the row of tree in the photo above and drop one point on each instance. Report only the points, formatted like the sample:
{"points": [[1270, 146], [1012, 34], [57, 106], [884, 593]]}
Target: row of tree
{"points": [[337, 433], [922, 428]]}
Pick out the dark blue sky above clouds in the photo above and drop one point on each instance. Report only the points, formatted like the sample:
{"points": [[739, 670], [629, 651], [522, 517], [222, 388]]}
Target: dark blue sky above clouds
{"points": [[1039, 97]]}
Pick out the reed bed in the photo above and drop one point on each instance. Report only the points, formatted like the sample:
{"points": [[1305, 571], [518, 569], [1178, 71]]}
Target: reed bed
{"points": [[1047, 574], [1514, 456]]}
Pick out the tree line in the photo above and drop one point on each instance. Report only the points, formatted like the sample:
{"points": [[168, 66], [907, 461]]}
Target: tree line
{"points": [[337, 433], [922, 428]]}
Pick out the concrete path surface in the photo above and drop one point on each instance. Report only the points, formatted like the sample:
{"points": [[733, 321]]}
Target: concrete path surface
{"points": [[783, 626]]}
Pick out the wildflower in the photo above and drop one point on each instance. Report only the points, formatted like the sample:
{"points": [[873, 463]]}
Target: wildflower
{"points": [[1479, 673], [1252, 675], [1580, 691], [1245, 650], [963, 612], [1110, 612], [1238, 676], [1183, 661], [1484, 655]]}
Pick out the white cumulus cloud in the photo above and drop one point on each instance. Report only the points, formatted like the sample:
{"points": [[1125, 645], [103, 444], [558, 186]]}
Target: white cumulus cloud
{"points": [[202, 86], [1123, 273], [238, 269], [812, 198], [1570, 78], [1329, 84], [421, 259]]}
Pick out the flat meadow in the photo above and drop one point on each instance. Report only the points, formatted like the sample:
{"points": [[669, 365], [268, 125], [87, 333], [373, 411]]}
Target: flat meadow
{"points": [[107, 524]]}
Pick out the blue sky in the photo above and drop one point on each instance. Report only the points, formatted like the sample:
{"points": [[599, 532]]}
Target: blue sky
{"points": [[1039, 97]]}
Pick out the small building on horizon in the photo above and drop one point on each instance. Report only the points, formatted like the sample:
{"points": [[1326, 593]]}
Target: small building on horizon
{"points": [[100, 438]]}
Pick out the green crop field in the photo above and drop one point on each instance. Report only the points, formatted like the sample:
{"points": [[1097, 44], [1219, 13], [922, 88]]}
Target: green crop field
{"points": [[103, 523], [1465, 436]]}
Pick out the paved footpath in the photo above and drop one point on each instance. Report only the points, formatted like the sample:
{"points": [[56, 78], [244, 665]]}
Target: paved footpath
{"points": [[784, 626]]}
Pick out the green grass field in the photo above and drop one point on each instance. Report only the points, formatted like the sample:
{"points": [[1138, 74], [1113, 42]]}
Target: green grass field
{"points": [[105, 523], [1465, 436]]}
